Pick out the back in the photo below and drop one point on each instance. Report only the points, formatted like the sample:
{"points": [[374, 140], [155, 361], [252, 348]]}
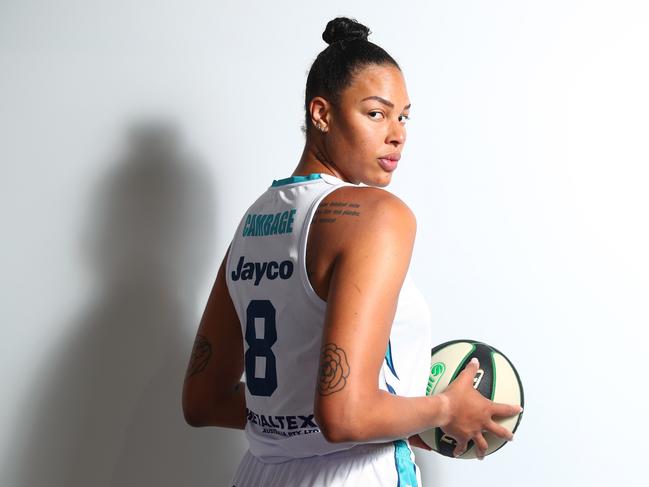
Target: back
{"points": [[282, 320]]}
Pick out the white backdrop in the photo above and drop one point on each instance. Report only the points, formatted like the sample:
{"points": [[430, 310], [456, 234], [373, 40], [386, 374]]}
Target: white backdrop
{"points": [[134, 134]]}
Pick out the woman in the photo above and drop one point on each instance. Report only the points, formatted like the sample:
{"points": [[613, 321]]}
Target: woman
{"points": [[313, 301]]}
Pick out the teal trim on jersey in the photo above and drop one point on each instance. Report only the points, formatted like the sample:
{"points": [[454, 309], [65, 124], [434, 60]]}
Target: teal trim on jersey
{"points": [[295, 179], [388, 359], [406, 469]]}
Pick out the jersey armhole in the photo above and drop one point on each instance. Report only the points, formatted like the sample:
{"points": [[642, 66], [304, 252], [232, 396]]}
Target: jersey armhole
{"points": [[304, 237], [229, 258], [227, 266]]}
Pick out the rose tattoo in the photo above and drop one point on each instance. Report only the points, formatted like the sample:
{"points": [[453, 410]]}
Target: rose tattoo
{"points": [[334, 369]]}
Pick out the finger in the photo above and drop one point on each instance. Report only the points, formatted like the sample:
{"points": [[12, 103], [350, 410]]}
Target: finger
{"points": [[481, 446], [505, 410], [500, 431], [471, 369], [459, 449]]}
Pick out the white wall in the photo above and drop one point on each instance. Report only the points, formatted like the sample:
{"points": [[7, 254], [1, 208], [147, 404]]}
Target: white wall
{"points": [[133, 135]]}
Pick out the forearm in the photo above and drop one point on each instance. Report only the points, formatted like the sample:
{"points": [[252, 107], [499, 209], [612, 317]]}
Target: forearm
{"points": [[228, 411], [387, 417]]}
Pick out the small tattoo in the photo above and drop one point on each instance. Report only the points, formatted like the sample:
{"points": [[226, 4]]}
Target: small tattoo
{"points": [[200, 356], [329, 211], [334, 369]]}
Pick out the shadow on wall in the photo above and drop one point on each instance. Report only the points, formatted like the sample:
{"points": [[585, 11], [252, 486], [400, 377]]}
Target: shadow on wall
{"points": [[106, 408]]}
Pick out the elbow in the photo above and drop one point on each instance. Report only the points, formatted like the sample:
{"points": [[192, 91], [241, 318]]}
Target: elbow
{"points": [[192, 419], [191, 412], [335, 433], [339, 427]]}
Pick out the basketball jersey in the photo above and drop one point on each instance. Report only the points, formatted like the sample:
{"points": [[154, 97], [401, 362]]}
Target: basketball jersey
{"points": [[282, 320]]}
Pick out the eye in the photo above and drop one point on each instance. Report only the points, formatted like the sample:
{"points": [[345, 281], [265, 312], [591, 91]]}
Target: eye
{"points": [[404, 118], [376, 115]]}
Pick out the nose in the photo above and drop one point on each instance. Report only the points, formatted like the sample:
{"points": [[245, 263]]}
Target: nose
{"points": [[397, 134]]}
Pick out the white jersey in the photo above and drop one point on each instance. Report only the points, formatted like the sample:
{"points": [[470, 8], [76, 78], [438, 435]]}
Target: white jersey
{"points": [[282, 320]]}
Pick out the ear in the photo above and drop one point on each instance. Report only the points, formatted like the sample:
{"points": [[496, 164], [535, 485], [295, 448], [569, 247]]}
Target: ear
{"points": [[320, 111]]}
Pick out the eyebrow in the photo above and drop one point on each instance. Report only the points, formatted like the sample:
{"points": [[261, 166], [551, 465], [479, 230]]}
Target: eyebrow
{"points": [[385, 102]]}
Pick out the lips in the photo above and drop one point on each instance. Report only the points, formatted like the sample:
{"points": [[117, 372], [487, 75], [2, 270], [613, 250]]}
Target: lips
{"points": [[389, 161]]}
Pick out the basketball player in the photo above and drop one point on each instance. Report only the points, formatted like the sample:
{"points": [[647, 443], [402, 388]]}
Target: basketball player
{"points": [[314, 303]]}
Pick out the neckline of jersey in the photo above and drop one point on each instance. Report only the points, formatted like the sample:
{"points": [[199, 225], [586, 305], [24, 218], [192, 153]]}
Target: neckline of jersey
{"points": [[295, 179]]}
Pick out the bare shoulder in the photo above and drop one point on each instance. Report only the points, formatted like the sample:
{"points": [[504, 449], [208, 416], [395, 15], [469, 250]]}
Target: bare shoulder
{"points": [[355, 220], [353, 215], [354, 206]]}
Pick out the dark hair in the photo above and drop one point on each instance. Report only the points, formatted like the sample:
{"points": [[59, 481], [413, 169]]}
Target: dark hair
{"points": [[348, 52]]}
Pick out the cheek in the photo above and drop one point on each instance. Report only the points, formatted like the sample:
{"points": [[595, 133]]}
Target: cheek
{"points": [[364, 135], [357, 138]]}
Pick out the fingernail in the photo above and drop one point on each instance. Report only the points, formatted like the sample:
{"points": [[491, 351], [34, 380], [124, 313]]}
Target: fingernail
{"points": [[474, 360], [521, 410]]}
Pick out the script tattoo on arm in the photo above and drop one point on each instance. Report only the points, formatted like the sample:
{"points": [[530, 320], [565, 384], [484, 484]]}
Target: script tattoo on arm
{"points": [[334, 369], [200, 356], [329, 212]]}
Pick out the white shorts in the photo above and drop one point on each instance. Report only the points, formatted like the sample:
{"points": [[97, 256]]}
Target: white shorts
{"points": [[375, 464]]}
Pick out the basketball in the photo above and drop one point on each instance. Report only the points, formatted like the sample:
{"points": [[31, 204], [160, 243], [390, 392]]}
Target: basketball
{"points": [[496, 379]]}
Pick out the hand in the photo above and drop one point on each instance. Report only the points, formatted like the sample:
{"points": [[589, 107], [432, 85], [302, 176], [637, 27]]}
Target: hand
{"points": [[470, 414]]}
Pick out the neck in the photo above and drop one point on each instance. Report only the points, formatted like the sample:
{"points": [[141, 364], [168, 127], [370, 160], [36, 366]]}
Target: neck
{"points": [[314, 160]]}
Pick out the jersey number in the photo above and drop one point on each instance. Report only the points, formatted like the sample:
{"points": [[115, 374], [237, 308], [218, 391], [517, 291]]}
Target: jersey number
{"points": [[261, 348]]}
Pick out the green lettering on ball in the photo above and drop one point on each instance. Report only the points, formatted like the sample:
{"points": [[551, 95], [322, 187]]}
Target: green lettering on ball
{"points": [[438, 368], [436, 371]]}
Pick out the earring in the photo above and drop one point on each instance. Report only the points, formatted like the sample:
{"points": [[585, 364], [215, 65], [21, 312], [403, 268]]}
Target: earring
{"points": [[320, 128]]}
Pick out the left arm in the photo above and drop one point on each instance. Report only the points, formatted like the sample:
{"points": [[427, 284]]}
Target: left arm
{"points": [[213, 394]]}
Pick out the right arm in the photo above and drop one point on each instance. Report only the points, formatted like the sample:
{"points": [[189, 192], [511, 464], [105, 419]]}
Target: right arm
{"points": [[367, 275]]}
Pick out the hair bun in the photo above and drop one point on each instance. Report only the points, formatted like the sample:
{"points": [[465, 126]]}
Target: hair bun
{"points": [[344, 29]]}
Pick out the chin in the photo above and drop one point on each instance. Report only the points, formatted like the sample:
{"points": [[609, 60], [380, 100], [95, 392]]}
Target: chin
{"points": [[382, 180], [378, 179]]}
